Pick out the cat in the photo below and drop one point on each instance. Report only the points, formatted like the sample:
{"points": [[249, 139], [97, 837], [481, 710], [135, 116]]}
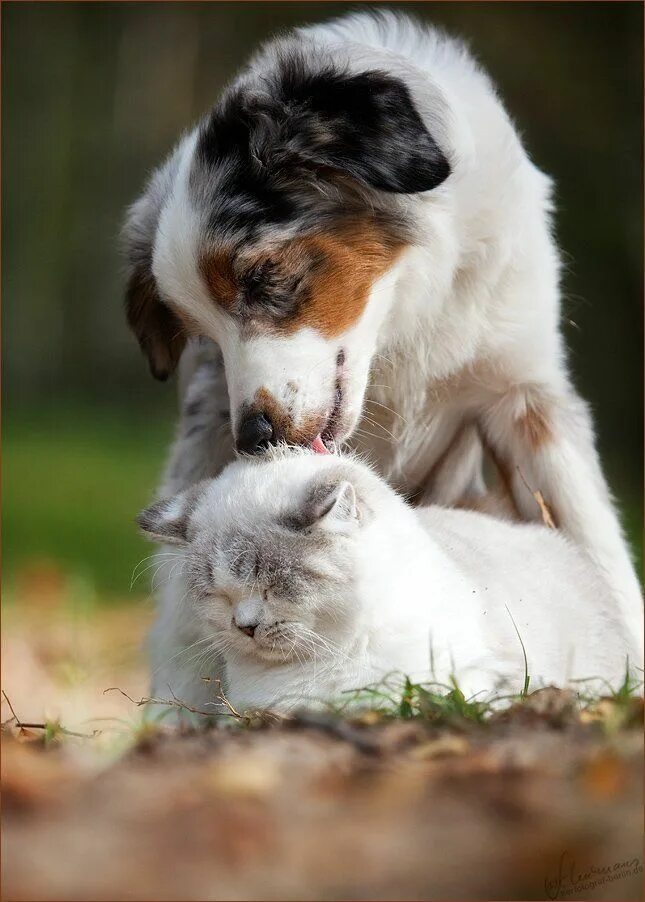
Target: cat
{"points": [[311, 577]]}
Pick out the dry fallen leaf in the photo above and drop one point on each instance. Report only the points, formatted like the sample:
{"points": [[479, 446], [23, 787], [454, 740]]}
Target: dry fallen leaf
{"points": [[604, 776], [445, 746], [244, 777], [545, 510]]}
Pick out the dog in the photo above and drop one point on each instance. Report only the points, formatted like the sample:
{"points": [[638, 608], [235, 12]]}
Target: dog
{"points": [[354, 247]]}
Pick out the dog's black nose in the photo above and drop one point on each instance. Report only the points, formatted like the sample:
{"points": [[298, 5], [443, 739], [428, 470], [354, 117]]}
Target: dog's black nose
{"points": [[255, 434]]}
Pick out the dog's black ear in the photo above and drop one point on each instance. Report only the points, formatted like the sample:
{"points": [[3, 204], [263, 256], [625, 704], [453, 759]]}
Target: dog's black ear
{"points": [[160, 333], [365, 125]]}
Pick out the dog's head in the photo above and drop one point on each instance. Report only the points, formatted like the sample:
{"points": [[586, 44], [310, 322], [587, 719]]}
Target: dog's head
{"points": [[275, 229]]}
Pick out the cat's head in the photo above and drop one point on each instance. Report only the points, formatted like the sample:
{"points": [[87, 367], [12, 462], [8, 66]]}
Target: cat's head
{"points": [[272, 551]]}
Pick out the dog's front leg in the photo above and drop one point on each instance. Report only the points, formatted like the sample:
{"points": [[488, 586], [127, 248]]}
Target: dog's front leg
{"points": [[542, 440], [204, 443]]}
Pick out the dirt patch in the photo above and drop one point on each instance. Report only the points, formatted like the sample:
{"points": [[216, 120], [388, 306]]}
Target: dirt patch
{"points": [[539, 802]]}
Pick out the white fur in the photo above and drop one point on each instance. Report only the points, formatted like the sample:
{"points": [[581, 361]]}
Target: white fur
{"points": [[431, 593], [462, 336]]}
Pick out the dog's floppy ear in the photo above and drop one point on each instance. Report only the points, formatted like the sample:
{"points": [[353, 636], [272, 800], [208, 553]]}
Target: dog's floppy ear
{"points": [[365, 125], [160, 333]]}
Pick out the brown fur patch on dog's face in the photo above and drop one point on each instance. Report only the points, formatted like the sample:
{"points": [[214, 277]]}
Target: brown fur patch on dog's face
{"points": [[219, 274], [321, 281], [282, 421], [341, 284]]}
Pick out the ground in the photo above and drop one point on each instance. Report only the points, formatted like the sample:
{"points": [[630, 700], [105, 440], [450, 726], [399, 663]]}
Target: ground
{"points": [[415, 798]]}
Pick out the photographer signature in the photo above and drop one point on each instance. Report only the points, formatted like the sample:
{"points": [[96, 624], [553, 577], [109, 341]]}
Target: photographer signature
{"points": [[569, 879]]}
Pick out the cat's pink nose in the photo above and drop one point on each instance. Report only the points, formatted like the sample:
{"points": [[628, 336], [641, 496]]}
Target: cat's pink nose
{"points": [[246, 625], [247, 615], [248, 629]]}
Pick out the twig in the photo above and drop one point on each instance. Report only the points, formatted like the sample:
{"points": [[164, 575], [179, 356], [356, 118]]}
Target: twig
{"points": [[222, 697], [230, 711], [31, 726], [174, 702], [265, 715], [547, 516], [16, 718], [43, 726], [19, 723]]}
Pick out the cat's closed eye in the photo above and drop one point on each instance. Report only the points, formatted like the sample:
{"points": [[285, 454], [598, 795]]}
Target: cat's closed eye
{"points": [[217, 592]]}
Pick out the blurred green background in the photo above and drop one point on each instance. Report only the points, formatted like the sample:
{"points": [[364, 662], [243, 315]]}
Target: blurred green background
{"points": [[95, 94]]}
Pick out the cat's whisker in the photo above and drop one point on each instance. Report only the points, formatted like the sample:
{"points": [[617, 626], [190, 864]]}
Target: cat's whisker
{"points": [[156, 556], [182, 651]]}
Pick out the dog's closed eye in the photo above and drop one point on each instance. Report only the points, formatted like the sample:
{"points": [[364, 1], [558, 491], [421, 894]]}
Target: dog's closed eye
{"points": [[258, 281], [272, 289]]}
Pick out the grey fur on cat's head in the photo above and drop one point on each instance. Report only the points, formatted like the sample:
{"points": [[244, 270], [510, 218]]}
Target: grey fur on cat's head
{"points": [[270, 549]]}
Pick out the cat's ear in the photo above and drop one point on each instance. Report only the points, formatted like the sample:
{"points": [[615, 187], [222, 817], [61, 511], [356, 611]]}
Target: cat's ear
{"points": [[339, 505], [333, 506], [167, 521]]}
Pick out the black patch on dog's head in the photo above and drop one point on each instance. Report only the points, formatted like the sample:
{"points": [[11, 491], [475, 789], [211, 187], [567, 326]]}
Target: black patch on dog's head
{"points": [[235, 134], [304, 123], [365, 125]]}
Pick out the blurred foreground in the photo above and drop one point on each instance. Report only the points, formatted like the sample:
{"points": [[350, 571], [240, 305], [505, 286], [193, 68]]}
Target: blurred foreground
{"points": [[540, 804], [542, 801], [60, 654]]}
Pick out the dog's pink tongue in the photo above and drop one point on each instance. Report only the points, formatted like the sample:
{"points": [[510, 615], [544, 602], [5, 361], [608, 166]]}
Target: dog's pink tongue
{"points": [[319, 446]]}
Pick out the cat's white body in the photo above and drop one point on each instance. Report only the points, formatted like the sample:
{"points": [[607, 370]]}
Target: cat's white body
{"points": [[431, 593], [438, 600]]}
